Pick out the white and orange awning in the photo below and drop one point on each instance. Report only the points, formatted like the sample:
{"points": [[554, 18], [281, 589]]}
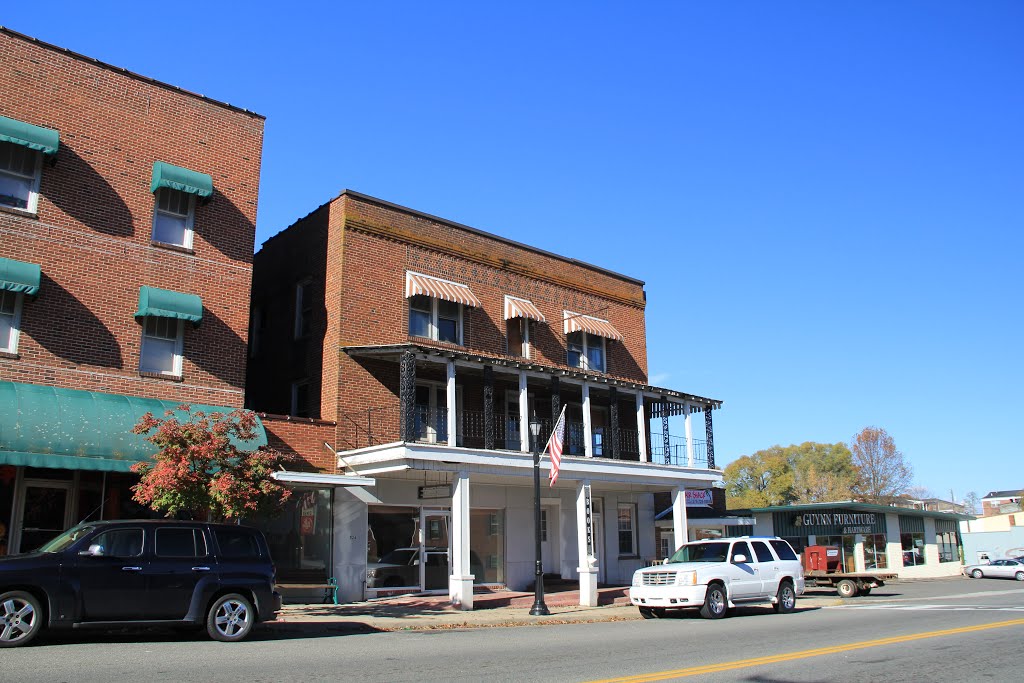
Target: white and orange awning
{"points": [[521, 308], [417, 283], [577, 322]]}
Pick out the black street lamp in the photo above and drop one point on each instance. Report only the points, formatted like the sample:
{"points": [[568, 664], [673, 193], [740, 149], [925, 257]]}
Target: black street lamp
{"points": [[539, 609]]}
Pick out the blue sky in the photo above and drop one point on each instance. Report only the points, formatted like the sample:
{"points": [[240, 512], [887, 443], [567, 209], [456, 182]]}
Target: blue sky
{"points": [[825, 199]]}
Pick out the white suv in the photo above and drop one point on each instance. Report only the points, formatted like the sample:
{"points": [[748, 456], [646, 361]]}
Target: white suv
{"points": [[715, 575]]}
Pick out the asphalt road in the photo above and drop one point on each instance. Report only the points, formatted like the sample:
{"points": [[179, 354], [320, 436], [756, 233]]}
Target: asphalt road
{"points": [[956, 630]]}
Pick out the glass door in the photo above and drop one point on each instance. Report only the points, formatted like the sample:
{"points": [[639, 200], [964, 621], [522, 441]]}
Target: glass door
{"points": [[435, 550], [44, 512]]}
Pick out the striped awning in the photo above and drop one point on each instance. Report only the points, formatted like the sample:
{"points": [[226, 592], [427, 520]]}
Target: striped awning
{"points": [[521, 308], [577, 322], [416, 283]]}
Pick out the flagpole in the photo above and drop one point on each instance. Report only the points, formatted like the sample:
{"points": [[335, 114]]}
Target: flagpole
{"points": [[539, 608]]}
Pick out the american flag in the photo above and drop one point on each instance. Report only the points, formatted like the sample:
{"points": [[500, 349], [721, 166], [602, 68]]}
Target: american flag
{"points": [[554, 448]]}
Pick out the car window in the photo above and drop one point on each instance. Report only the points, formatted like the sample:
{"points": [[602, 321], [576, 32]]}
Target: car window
{"points": [[701, 552], [762, 552], [237, 543], [741, 548], [66, 539], [783, 550], [118, 543], [180, 543]]}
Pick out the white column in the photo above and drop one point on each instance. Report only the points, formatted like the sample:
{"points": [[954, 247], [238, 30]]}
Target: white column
{"points": [[641, 427], [680, 535], [524, 414], [688, 426], [586, 544], [460, 582], [452, 407], [588, 433]]}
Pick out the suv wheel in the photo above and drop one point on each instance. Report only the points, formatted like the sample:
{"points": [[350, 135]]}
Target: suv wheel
{"points": [[715, 602], [785, 599], [21, 618], [230, 618]]}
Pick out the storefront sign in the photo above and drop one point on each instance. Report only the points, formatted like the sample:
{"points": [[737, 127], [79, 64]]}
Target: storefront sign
{"points": [[588, 513], [307, 514], [432, 492], [698, 498], [839, 522]]}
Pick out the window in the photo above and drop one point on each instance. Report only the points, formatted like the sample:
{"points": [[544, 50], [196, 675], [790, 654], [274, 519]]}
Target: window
{"points": [[435, 319], [180, 543], [118, 543], [913, 549], [783, 550], [874, 552], [10, 320], [173, 217], [19, 176], [517, 332], [762, 552], [300, 399], [741, 548], [586, 351], [161, 346], [627, 530], [257, 327], [949, 549], [303, 310], [237, 544]]}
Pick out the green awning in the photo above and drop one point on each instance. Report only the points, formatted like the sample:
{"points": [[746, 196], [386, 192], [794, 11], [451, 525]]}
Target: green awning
{"points": [[19, 277], [41, 139], [62, 428], [178, 178], [163, 303]]}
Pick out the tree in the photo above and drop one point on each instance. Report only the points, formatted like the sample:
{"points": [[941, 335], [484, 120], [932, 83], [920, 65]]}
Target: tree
{"points": [[199, 469], [780, 475], [972, 502], [882, 471]]}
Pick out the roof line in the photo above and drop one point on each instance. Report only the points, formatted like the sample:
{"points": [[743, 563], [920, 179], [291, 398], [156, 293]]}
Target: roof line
{"points": [[126, 72], [483, 233]]}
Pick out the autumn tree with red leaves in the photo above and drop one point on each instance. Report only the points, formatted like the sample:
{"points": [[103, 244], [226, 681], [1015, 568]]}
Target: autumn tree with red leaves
{"points": [[199, 470]]}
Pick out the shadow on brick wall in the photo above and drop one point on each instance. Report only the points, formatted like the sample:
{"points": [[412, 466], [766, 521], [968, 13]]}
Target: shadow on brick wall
{"points": [[91, 344], [222, 350], [78, 190], [222, 225]]}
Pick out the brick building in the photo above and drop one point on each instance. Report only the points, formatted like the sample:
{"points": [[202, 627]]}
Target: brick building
{"points": [[425, 349], [127, 221]]}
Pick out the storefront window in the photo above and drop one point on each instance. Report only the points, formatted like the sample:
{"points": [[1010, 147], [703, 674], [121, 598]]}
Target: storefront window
{"points": [[487, 546], [846, 545], [913, 549], [874, 552], [7, 477], [949, 550], [300, 537]]}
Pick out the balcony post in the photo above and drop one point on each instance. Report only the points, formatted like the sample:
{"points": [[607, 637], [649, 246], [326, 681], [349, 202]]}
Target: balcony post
{"points": [[451, 405], [710, 433], [613, 417], [641, 432], [524, 414], [488, 408], [588, 430], [407, 397], [666, 443], [460, 581], [688, 424], [556, 400], [680, 533]]}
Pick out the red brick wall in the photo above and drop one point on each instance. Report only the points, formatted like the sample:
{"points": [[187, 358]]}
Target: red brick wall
{"points": [[91, 233], [303, 438]]}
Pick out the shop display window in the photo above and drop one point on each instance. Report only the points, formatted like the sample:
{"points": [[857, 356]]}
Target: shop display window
{"points": [[300, 537], [913, 549], [949, 548], [874, 552]]}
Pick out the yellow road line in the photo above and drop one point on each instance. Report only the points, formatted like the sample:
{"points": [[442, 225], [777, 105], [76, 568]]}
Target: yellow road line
{"points": [[804, 654]]}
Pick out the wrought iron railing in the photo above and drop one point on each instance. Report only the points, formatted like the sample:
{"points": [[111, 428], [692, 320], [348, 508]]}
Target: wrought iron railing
{"points": [[677, 453]]}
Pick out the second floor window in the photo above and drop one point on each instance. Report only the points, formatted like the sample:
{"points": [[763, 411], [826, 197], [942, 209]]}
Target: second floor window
{"points": [[300, 399], [10, 320], [435, 318], [303, 310], [586, 351], [161, 346], [19, 176], [173, 217]]}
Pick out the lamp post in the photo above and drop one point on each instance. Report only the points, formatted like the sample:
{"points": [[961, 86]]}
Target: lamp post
{"points": [[539, 608]]}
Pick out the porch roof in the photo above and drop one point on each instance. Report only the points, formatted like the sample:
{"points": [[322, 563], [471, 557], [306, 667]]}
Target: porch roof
{"points": [[412, 459], [393, 351]]}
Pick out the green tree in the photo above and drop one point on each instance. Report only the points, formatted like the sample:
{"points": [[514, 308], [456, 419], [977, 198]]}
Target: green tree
{"points": [[199, 470], [882, 471], [780, 475]]}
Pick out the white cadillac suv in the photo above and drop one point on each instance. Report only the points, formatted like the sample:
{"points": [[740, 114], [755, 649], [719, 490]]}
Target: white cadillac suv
{"points": [[715, 575]]}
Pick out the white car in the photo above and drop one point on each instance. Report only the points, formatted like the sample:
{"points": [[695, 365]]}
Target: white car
{"points": [[997, 569], [715, 575]]}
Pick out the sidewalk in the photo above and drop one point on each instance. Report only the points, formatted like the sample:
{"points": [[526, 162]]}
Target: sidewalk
{"points": [[498, 609]]}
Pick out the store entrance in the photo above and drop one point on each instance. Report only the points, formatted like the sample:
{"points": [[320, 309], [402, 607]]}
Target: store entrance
{"points": [[435, 550], [44, 512]]}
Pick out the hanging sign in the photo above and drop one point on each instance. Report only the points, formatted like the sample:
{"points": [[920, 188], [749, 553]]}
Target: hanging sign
{"points": [[307, 518], [698, 498], [431, 492]]}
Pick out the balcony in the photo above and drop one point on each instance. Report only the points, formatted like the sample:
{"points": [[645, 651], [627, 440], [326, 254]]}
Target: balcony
{"points": [[375, 426]]}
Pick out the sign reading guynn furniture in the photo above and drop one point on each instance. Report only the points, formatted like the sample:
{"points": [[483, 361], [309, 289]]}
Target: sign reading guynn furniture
{"points": [[838, 522]]}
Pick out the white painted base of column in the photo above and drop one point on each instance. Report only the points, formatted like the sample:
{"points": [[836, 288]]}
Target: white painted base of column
{"points": [[460, 591], [588, 587]]}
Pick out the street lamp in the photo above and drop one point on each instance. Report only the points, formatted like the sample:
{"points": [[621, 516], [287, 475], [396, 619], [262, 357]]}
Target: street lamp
{"points": [[539, 609]]}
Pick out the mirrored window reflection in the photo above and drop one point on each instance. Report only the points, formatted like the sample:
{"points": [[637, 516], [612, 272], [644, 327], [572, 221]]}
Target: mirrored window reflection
{"points": [[487, 546], [300, 537]]}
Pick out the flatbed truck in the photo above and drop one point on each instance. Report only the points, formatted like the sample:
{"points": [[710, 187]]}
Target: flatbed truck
{"points": [[821, 568]]}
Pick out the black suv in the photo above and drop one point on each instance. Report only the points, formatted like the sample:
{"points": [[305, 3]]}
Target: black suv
{"points": [[143, 572]]}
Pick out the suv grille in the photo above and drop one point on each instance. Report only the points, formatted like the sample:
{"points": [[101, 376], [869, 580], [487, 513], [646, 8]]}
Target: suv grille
{"points": [[659, 578]]}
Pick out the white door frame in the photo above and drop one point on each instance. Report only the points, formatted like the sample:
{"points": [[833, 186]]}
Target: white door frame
{"points": [[445, 514], [18, 519]]}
